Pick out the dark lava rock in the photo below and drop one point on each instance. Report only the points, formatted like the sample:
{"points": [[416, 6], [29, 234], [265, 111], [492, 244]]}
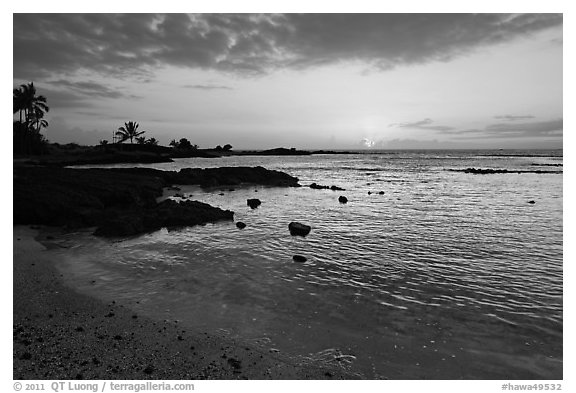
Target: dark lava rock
{"points": [[122, 201], [253, 203], [298, 229], [369, 192], [381, 193], [321, 187], [240, 225], [212, 177], [299, 258], [169, 213], [236, 364], [531, 202], [489, 171], [26, 356], [342, 199]]}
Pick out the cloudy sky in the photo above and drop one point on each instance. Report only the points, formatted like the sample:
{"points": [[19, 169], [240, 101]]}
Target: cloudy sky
{"points": [[302, 80]]}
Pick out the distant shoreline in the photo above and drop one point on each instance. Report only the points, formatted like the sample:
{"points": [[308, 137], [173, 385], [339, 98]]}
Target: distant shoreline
{"points": [[143, 154]]}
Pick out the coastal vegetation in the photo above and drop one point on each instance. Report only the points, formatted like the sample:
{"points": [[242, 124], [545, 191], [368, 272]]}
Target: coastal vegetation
{"points": [[129, 131], [31, 109]]}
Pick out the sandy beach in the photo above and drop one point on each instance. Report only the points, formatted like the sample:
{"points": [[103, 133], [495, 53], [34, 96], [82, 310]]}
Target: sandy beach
{"points": [[62, 334]]}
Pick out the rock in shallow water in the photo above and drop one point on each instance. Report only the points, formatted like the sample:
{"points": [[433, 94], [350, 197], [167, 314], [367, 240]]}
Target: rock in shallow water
{"points": [[298, 229], [342, 199], [253, 203], [299, 258], [240, 225]]}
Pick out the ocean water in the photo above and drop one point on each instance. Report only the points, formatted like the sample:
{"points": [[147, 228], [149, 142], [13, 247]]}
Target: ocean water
{"points": [[446, 275]]}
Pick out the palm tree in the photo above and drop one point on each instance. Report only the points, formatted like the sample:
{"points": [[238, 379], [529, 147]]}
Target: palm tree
{"points": [[37, 120], [141, 140], [129, 131], [25, 100], [17, 102], [32, 108], [152, 141]]}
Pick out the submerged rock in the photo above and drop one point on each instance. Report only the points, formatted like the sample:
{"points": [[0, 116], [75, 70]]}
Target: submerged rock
{"points": [[321, 187], [342, 199], [299, 258], [298, 229], [253, 203]]}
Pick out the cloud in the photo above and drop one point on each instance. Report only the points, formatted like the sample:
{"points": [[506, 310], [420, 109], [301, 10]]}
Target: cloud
{"points": [[541, 129], [64, 99], [535, 129], [134, 44], [422, 125], [513, 117], [208, 87], [90, 89]]}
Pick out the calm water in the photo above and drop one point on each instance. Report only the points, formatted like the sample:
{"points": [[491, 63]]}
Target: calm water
{"points": [[447, 275]]}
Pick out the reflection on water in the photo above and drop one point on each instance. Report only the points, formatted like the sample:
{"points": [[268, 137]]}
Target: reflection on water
{"points": [[446, 275]]}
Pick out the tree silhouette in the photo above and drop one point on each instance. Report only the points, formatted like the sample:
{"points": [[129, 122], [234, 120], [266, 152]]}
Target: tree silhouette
{"points": [[141, 140], [129, 131], [184, 144], [152, 141], [32, 109], [36, 120], [28, 103]]}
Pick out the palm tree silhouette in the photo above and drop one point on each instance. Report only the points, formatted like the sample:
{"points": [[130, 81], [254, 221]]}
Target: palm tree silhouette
{"points": [[129, 131], [37, 120], [26, 102], [32, 108]]}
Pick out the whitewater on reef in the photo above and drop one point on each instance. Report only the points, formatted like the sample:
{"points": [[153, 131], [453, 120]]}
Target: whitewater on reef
{"points": [[425, 272]]}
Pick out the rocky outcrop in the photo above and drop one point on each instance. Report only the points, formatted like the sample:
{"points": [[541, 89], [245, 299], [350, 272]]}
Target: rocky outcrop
{"points": [[240, 225], [122, 202], [169, 214], [342, 199], [215, 177], [299, 258], [298, 229], [489, 171]]}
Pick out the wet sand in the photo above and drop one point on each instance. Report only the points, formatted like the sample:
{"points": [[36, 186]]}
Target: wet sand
{"points": [[62, 334]]}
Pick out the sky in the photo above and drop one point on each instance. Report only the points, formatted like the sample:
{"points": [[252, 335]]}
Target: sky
{"points": [[321, 81]]}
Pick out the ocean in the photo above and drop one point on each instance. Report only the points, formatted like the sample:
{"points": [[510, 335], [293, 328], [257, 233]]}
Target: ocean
{"points": [[436, 274]]}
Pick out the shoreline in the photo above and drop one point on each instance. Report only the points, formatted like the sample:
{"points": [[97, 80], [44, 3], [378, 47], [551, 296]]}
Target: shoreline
{"points": [[59, 333]]}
